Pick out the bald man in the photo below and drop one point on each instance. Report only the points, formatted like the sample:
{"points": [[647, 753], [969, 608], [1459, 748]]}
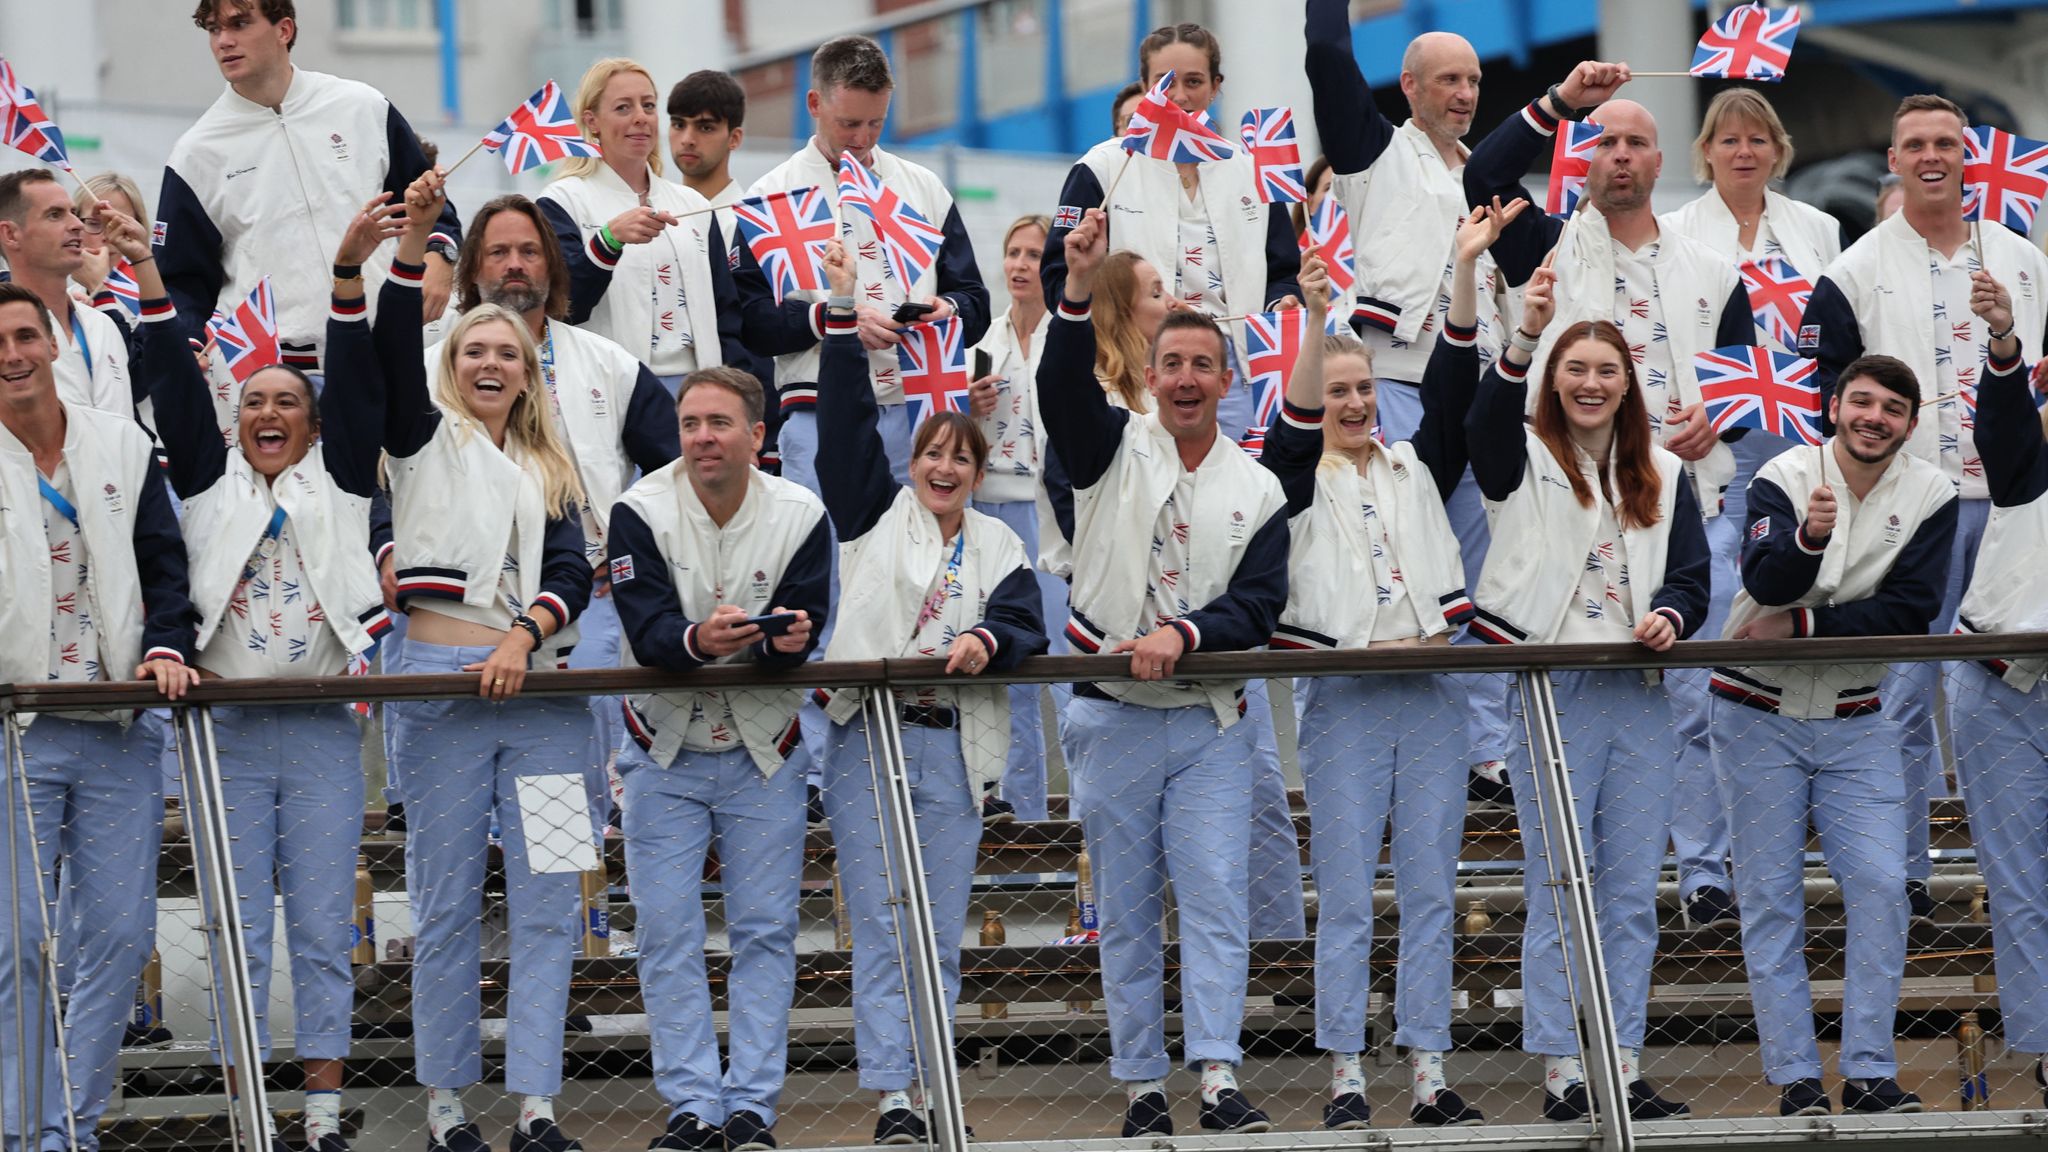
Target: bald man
{"points": [[1671, 297]]}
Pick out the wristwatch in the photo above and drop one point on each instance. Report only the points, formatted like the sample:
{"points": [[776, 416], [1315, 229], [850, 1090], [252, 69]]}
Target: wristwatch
{"points": [[443, 249], [531, 626], [1565, 110]]}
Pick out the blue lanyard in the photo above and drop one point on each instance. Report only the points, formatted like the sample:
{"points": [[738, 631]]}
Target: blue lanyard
{"points": [[84, 345], [275, 530], [58, 501]]}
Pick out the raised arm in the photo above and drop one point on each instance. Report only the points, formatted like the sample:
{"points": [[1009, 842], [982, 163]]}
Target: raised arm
{"points": [[1452, 376], [1081, 193], [853, 471], [2009, 435], [1353, 129], [165, 369], [410, 416], [188, 253], [1494, 439], [1497, 165], [352, 414], [1294, 444], [1080, 423]]}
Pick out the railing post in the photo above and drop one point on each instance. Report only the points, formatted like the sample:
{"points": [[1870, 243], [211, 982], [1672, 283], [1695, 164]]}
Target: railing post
{"points": [[1571, 890], [29, 1050]]}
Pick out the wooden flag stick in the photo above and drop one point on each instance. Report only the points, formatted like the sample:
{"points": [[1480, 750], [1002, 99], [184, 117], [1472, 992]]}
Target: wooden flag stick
{"points": [[1635, 75], [450, 170], [1121, 169], [1977, 239]]}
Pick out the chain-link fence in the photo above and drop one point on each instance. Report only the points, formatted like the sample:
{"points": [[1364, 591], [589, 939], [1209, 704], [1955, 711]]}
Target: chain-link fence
{"points": [[1293, 888]]}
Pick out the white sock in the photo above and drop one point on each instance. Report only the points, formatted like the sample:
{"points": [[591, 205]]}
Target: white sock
{"points": [[1560, 1073], [1136, 1088], [323, 1115], [897, 1101], [269, 1121], [1631, 1065], [1347, 1074], [1494, 770], [1429, 1073], [1217, 1076], [444, 1111], [917, 1103], [533, 1108]]}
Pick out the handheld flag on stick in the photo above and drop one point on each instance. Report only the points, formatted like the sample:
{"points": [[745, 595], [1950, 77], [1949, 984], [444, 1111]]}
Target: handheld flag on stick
{"points": [[28, 129], [1571, 160], [932, 365], [247, 337], [540, 131], [2004, 177], [1159, 129], [1329, 236], [1777, 296], [1268, 135], [1773, 392], [787, 232], [910, 243], [1751, 42]]}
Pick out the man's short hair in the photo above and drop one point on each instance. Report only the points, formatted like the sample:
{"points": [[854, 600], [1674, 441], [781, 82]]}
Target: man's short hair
{"points": [[1134, 88], [738, 381], [13, 293], [1887, 372], [1928, 102], [851, 62], [469, 293], [1196, 321], [709, 92], [14, 192], [275, 11]]}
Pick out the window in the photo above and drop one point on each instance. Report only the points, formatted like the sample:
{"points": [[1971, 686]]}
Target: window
{"points": [[389, 15]]}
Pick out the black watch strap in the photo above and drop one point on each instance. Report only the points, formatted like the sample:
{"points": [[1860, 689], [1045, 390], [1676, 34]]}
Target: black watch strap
{"points": [[1565, 110], [532, 627]]}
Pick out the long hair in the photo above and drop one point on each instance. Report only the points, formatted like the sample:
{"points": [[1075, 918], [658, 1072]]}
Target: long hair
{"points": [[530, 437], [588, 93], [469, 294], [1120, 348], [1300, 211], [1635, 506]]}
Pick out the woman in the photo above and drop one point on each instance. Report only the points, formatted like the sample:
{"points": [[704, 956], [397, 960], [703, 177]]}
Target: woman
{"points": [[102, 257], [278, 528], [1006, 408], [921, 574], [1741, 150], [647, 266], [1597, 538], [488, 539], [1320, 176], [1372, 747]]}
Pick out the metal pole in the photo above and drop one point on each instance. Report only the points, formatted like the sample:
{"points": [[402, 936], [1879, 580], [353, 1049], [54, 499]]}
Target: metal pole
{"points": [[46, 982], [30, 1108], [1571, 888]]}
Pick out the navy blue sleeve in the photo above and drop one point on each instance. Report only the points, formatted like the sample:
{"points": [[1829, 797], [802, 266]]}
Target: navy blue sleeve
{"points": [[853, 471], [1688, 564], [1243, 617], [1909, 599], [407, 161], [1353, 130], [1283, 256], [169, 621], [1080, 422], [381, 535], [959, 279], [649, 614], [565, 575], [1737, 327], [1081, 192], [353, 416], [725, 297], [806, 585], [1014, 621], [1494, 439], [651, 437], [1294, 446], [1831, 337], [1449, 383], [1496, 168], [188, 253], [590, 263], [1059, 492], [410, 418], [186, 426], [769, 328], [2008, 436], [1779, 562]]}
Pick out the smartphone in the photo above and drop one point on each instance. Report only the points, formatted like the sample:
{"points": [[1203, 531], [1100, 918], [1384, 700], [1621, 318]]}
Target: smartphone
{"points": [[773, 624], [982, 363], [908, 313]]}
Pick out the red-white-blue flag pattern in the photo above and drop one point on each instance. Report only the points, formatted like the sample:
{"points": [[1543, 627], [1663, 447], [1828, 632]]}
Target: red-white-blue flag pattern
{"points": [[1777, 296], [910, 243], [1759, 388], [787, 232], [1272, 343], [1268, 135], [932, 367], [1571, 160], [540, 131], [28, 129], [1160, 129], [1329, 236], [247, 337], [2004, 177], [1751, 42], [121, 285]]}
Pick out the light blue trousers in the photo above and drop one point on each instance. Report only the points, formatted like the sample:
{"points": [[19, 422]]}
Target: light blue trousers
{"points": [[1164, 796], [293, 778], [948, 834], [1619, 749], [2005, 786], [1278, 910], [464, 759], [673, 816], [96, 792], [1024, 776], [598, 642], [1844, 774], [1374, 747]]}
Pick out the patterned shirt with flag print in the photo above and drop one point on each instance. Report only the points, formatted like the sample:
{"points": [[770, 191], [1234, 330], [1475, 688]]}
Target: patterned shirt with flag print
{"points": [[1960, 345], [1638, 308], [74, 638], [1601, 613], [273, 626], [941, 616]]}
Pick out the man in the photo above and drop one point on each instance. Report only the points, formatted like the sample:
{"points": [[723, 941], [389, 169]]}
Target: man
{"points": [[1120, 109], [697, 549], [43, 240], [1403, 191], [96, 590], [1903, 289], [1851, 539], [1180, 545], [706, 110], [261, 184]]}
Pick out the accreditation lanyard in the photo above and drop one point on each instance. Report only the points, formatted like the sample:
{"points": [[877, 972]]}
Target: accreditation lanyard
{"points": [[275, 530], [84, 345]]}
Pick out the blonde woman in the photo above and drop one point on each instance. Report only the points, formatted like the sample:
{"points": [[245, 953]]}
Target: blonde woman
{"points": [[647, 264], [490, 570], [101, 257]]}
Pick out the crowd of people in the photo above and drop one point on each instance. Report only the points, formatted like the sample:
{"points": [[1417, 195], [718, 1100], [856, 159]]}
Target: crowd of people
{"points": [[584, 430]]}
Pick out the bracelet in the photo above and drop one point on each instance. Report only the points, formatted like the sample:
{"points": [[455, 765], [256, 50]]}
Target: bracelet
{"points": [[347, 272], [839, 303], [141, 262], [1522, 341], [531, 626], [604, 233], [2002, 335]]}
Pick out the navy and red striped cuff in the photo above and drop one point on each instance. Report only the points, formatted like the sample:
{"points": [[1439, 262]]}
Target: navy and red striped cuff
{"points": [[554, 604], [2000, 367], [158, 310], [1190, 635], [987, 638], [383, 552], [1307, 419], [799, 398], [1803, 623], [841, 325], [1677, 621], [408, 275], [1510, 371], [1807, 544], [604, 254], [347, 309], [1068, 310], [1460, 336], [1539, 119], [690, 645], [162, 653]]}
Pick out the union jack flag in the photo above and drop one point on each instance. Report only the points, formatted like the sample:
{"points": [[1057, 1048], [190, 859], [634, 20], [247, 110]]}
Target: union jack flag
{"points": [[247, 337], [1748, 43], [1774, 392], [1329, 236], [1272, 343], [28, 129], [2004, 177], [121, 285], [1269, 138], [1777, 296], [910, 243], [540, 131], [932, 363], [1159, 129], [787, 232], [1571, 159]]}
